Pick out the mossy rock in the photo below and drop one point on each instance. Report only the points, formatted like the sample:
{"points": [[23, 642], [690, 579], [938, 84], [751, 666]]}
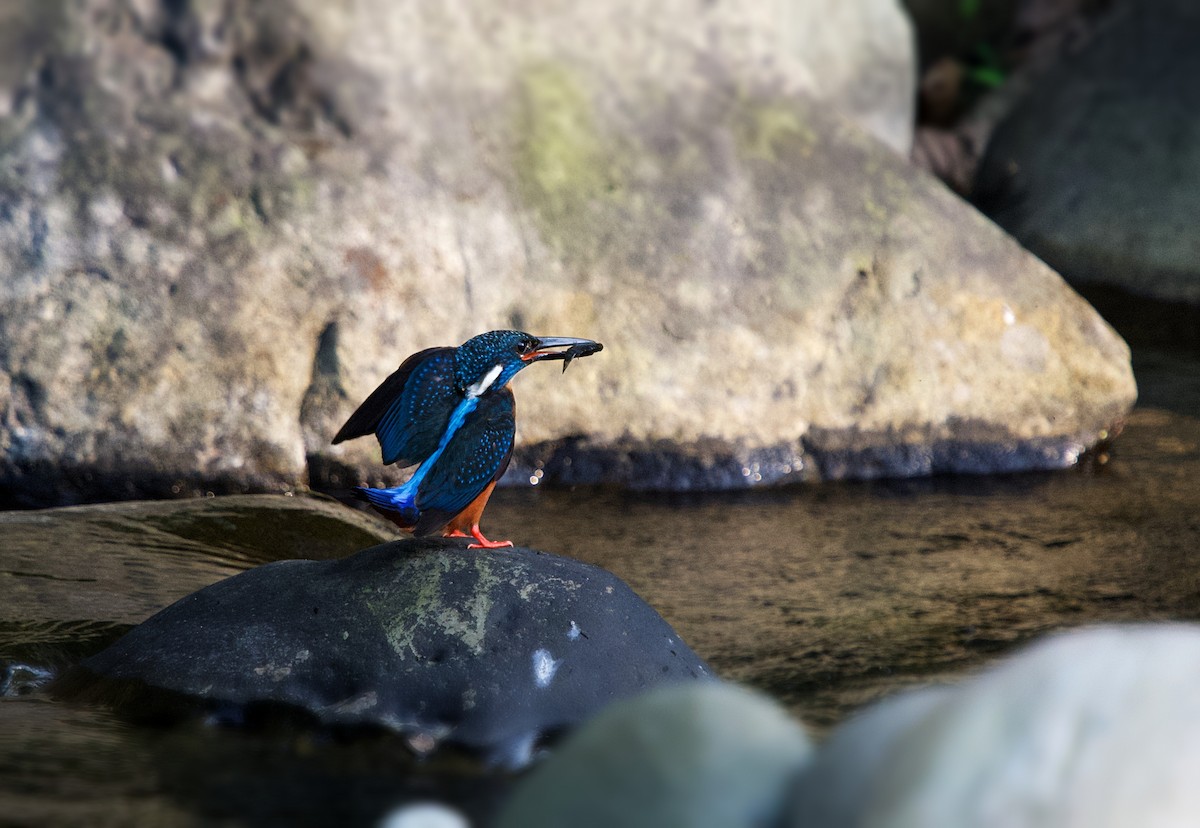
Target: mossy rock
{"points": [[490, 651]]}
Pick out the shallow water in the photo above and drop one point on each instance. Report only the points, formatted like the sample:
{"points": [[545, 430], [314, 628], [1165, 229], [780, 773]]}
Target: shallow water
{"points": [[824, 596], [829, 596]]}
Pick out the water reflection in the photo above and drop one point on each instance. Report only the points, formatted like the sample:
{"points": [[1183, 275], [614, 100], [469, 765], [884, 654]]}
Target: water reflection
{"points": [[68, 766]]}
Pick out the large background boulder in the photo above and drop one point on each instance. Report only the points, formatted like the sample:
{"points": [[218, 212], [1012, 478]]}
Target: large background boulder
{"points": [[223, 224], [1096, 170]]}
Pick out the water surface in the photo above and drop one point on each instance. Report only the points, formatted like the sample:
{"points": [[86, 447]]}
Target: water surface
{"points": [[827, 596], [824, 596]]}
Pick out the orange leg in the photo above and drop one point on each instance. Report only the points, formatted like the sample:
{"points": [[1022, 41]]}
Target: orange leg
{"points": [[468, 521]]}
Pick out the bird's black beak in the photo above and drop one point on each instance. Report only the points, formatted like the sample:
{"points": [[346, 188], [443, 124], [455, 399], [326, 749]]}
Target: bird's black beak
{"points": [[565, 348]]}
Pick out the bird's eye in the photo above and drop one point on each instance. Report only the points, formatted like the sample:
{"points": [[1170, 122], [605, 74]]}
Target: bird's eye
{"points": [[527, 346]]}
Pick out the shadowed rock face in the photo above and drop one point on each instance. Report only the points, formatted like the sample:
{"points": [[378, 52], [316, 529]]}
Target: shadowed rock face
{"points": [[489, 651], [224, 225], [1095, 171]]}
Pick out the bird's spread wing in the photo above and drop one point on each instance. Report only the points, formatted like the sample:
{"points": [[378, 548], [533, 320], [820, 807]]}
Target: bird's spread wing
{"points": [[408, 412], [478, 454]]}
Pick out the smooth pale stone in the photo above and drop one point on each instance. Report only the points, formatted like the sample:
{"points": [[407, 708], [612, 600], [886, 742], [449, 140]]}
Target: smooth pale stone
{"points": [[1096, 728]]}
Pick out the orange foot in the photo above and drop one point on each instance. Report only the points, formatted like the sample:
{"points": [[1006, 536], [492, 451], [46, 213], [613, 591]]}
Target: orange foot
{"points": [[484, 543]]}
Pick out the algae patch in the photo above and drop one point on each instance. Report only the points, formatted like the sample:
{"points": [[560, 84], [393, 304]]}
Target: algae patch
{"points": [[566, 168], [416, 599], [769, 131]]}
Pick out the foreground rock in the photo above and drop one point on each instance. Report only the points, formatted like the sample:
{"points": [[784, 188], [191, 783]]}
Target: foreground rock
{"points": [[491, 651], [1098, 728], [1094, 727], [224, 224], [1096, 171], [709, 755]]}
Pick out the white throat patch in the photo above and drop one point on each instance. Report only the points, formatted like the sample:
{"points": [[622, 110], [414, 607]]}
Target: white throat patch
{"points": [[485, 383]]}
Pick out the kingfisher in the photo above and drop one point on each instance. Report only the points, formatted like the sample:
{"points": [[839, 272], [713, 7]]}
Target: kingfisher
{"points": [[450, 413]]}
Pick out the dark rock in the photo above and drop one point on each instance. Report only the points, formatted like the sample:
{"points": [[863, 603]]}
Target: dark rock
{"points": [[485, 650], [1095, 172]]}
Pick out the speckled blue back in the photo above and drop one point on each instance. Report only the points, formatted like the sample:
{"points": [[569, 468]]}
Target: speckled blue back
{"points": [[414, 423]]}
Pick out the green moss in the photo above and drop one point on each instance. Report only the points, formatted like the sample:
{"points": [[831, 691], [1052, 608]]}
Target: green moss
{"points": [[768, 131], [878, 212], [401, 616], [567, 171], [471, 626], [415, 599]]}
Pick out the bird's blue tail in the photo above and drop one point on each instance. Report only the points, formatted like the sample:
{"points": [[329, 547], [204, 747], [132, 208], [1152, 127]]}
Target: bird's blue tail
{"points": [[390, 500]]}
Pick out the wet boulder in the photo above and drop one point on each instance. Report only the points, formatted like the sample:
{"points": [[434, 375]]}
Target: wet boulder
{"points": [[491, 651], [1096, 170]]}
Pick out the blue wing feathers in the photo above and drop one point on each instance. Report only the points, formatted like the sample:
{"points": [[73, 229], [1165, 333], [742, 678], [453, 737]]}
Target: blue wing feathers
{"points": [[477, 455], [390, 500], [410, 413], [412, 427], [409, 409]]}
